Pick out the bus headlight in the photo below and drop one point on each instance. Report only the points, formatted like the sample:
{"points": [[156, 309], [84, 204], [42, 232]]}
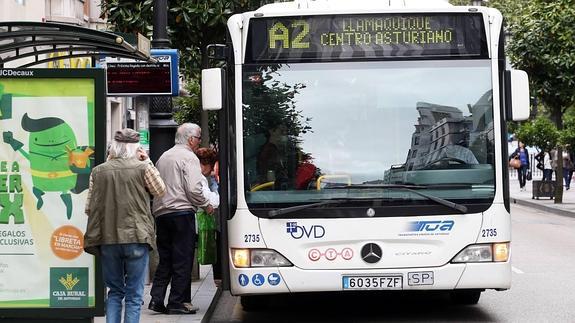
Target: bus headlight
{"points": [[498, 252], [244, 258], [241, 257], [501, 252]]}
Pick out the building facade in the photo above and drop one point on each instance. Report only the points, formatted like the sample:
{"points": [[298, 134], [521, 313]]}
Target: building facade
{"points": [[84, 13]]}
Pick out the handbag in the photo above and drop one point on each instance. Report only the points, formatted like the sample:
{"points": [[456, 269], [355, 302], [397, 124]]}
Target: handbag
{"points": [[528, 176], [207, 249], [515, 163]]}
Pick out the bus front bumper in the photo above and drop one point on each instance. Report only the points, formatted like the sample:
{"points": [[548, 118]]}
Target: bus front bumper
{"points": [[275, 280]]}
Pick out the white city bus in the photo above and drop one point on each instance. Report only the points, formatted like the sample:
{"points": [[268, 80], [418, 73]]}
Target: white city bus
{"points": [[364, 148]]}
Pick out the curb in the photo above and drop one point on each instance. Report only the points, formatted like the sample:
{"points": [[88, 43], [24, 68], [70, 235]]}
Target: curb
{"points": [[210, 311], [545, 208]]}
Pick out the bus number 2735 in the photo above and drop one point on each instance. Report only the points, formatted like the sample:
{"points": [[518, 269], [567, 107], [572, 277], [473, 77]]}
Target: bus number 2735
{"points": [[251, 238]]}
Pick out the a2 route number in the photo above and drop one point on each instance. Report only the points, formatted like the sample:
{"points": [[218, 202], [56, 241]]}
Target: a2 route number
{"points": [[281, 34]]}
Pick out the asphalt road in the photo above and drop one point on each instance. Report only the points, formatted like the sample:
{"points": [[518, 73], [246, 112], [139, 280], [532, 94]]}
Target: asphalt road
{"points": [[543, 288]]}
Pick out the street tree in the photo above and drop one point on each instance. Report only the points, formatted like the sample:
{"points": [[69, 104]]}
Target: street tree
{"points": [[544, 46], [192, 25], [568, 133], [540, 133]]}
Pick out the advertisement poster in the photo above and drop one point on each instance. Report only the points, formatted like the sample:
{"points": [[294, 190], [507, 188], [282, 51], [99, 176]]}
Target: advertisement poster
{"points": [[47, 150]]}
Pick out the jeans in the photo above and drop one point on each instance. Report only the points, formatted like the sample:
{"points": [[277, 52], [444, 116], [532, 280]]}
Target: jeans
{"points": [[547, 174], [175, 238], [124, 267], [522, 174], [567, 174]]}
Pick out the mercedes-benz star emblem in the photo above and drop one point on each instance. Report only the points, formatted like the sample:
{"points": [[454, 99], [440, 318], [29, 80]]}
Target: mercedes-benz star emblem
{"points": [[371, 253]]}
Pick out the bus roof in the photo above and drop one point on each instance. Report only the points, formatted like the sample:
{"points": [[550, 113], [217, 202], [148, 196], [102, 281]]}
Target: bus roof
{"points": [[351, 5]]}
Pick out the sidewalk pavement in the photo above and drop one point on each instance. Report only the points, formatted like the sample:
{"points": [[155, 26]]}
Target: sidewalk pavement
{"points": [[567, 208], [204, 292]]}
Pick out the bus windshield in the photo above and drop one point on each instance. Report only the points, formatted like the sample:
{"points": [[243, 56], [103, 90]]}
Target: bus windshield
{"points": [[319, 131]]}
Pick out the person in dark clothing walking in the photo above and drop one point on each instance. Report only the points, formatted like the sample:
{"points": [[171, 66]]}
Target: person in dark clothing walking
{"points": [[523, 155], [175, 222], [567, 166]]}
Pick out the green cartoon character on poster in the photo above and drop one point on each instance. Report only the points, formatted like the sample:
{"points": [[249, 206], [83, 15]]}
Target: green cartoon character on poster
{"points": [[57, 164]]}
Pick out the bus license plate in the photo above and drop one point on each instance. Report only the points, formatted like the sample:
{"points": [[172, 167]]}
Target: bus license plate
{"points": [[372, 282]]}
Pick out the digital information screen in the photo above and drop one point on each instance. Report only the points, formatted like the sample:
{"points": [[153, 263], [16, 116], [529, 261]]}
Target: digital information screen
{"points": [[366, 36], [139, 78]]}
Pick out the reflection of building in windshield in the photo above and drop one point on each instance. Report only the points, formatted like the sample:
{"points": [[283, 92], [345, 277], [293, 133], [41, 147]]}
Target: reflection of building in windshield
{"points": [[443, 136], [482, 137]]}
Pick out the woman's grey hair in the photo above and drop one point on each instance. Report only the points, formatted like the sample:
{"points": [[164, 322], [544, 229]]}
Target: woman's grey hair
{"points": [[123, 150], [185, 131]]}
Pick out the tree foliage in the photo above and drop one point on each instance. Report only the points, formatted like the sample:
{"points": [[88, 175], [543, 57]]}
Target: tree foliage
{"points": [[189, 108], [192, 24], [540, 132], [271, 103], [544, 46], [568, 133]]}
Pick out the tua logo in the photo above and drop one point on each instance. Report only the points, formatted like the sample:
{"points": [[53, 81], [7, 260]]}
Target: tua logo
{"points": [[300, 231], [431, 226]]}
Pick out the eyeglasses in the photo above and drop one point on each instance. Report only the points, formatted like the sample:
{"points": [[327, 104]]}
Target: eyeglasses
{"points": [[197, 137]]}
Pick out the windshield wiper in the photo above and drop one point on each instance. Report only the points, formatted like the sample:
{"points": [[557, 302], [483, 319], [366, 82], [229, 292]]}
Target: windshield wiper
{"points": [[439, 200], [291, 209], [412, 189], [407, 187]]}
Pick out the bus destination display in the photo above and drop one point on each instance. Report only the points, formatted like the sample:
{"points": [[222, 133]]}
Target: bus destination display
{"points": [[366, 36]]}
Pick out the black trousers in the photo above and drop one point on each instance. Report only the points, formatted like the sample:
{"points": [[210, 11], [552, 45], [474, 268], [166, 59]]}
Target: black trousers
{"points": [[522, 174], [175, 238]]}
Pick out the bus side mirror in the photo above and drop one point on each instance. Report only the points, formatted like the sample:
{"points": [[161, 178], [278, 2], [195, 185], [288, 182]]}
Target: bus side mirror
{"points": [[517, 89], [212, 89]]}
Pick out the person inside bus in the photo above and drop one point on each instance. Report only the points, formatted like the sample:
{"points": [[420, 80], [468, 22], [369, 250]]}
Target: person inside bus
{"points": [[523, 155], [273, 162]]}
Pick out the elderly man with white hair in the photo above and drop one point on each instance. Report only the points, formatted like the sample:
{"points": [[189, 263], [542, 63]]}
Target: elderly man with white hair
{"points": [[175, 222], [120, 224]]}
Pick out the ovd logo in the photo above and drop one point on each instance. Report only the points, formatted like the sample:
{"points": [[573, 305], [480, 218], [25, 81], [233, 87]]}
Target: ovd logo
{"points": [[300, 231]]}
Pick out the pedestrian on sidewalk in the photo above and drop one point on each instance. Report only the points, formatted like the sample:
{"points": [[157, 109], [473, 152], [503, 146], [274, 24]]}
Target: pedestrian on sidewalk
{"points": [[523, 155], [544, 163], [567, 166], [208, 158], [547, 167], [120, 224], [175, 222]]}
